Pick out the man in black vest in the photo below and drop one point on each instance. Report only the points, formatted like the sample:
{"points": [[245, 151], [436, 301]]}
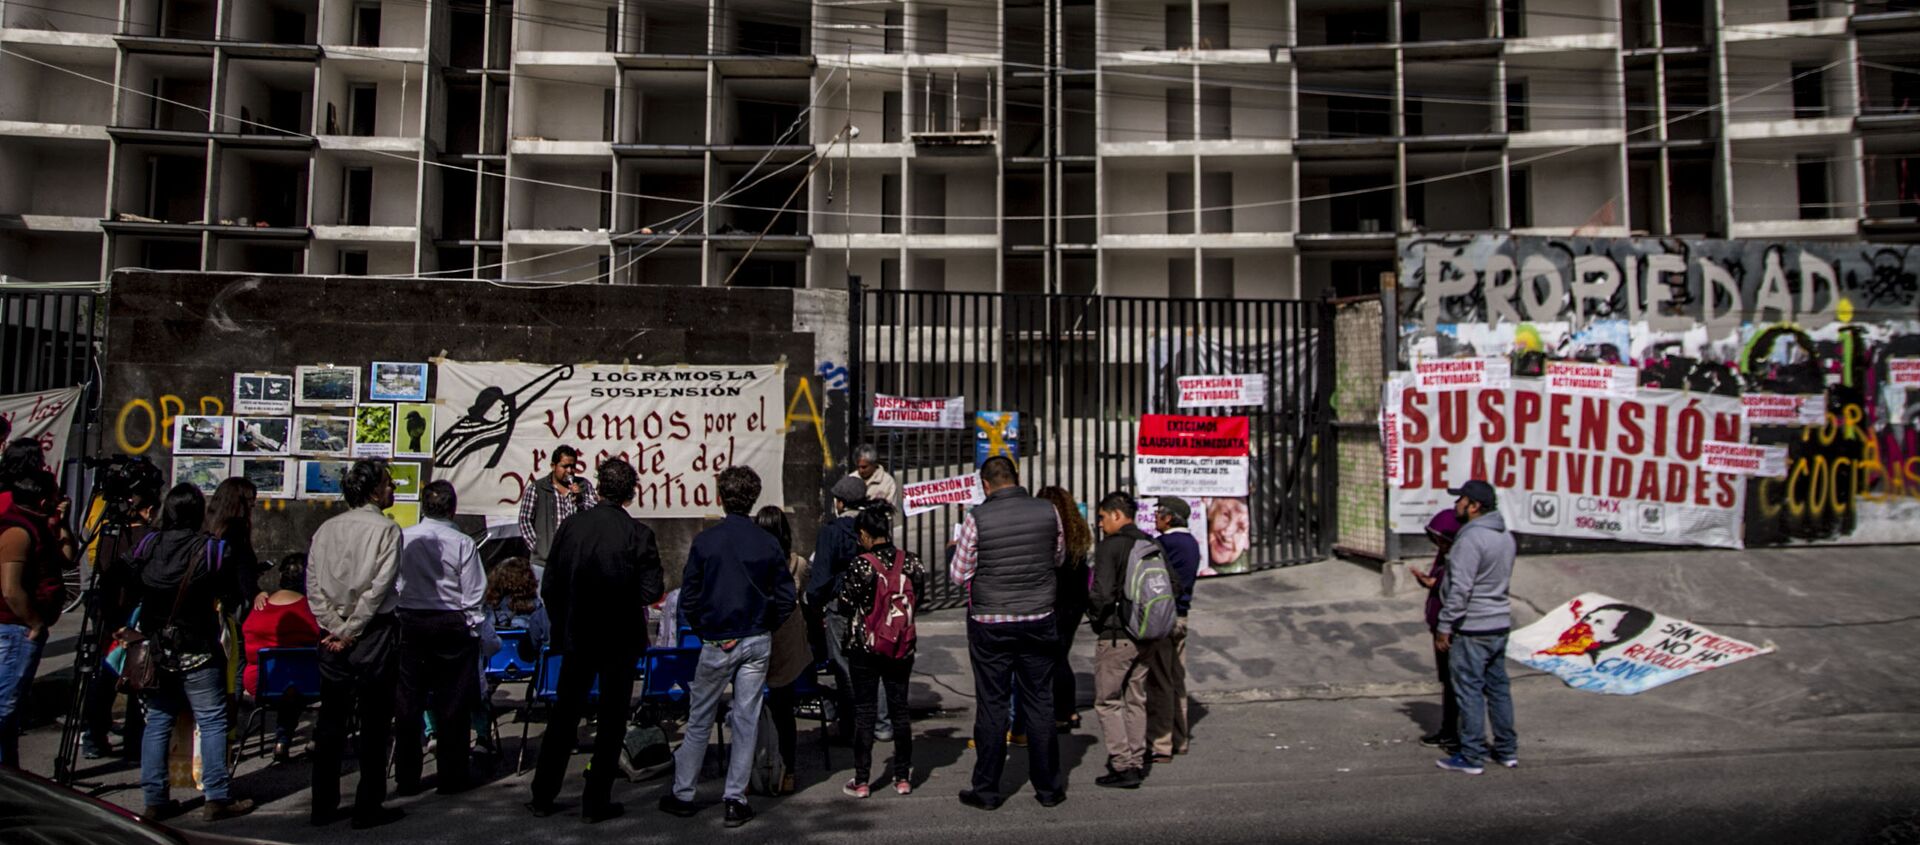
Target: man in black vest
{"points": [[1005, 557], [549, 501]]}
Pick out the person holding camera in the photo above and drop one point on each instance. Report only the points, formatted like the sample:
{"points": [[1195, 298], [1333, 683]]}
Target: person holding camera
{"points": [[549, 501]]}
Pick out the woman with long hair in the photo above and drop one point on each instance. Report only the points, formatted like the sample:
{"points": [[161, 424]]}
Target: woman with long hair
{"points": [[186, 578], [792, 653], [230, 520], [1070, 601]]}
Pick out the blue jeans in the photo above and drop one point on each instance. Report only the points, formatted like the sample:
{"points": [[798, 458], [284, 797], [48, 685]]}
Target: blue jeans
{"points": [[1479, 665], [203, 692], [746, 667], [19, 659]]}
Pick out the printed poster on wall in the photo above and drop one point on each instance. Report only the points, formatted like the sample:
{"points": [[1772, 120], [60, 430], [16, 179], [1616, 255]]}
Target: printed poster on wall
{"points": [[1222, 391], [1600, 644], [46, 416], [1785, 409], [923, 496], [1191, 456], [679, 426], [995, 433], [1461, 373], [1598, 467], [912, 412]]}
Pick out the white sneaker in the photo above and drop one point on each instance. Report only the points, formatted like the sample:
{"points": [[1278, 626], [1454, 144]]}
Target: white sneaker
{"points": [[1509, 762]]}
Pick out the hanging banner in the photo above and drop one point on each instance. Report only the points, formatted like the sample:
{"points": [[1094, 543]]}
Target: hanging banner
{"points": [[1591, 379], [1461, 373], [995, 433], [1191, 456], [679, 426], [46, 416], [1604, 645], [1785, 409], [920, 497], [1576, 466], [1222, 391], [909, 412]]}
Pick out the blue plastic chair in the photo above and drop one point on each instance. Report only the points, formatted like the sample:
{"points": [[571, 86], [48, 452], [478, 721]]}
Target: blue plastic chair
{"points": [[543, 689], [667, 675], [284, 674], [507, 664]]}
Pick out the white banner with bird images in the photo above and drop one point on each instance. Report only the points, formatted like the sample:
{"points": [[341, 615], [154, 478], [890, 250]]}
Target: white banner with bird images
{"points": [[498, 424]]}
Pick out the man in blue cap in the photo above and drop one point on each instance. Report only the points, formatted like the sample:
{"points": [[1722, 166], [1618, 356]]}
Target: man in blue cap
{"points": [[1475, 617]]}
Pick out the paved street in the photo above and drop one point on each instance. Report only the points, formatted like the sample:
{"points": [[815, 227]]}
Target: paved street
{"points": [[1314, 692]]}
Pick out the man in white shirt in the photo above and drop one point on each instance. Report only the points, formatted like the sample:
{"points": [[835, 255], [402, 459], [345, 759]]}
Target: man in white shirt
{"points": [[351, 568], [442, 584]]}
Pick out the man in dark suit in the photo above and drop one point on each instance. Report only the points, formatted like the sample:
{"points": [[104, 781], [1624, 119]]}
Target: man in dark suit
{"points": [[603, 572]]}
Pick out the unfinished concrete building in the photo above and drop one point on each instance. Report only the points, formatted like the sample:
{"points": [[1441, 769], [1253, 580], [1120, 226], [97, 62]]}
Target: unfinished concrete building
{"points": [[1206, 148]]}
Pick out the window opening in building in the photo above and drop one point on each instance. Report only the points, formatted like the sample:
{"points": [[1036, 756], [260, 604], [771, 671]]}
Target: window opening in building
{"points": [[1815, 192], [353, 262], [366, 25], [362, 103], [356, 197]]}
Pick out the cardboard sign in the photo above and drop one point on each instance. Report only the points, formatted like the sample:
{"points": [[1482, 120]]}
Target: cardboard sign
{"points": [[911, 412], [1191, 456], [1222, 391], [924, 496], [1604, 645], [1462, 373]]}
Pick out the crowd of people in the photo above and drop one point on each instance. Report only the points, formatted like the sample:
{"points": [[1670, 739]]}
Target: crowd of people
{"points": [[404, 622]]}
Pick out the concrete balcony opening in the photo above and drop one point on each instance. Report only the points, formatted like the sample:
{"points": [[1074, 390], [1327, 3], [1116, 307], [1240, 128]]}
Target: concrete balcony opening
{"points": [[1755, 12], [1328, 22], [567, 263], [876, 193], [664, 108], [1890, 76], [361, 259], [1248, 197], [1136, 27], [466, 43], [1571, 96], [1571, 191], [1143, 106], [1545, 19], [559, 195], [1444, 22], [188, 19], [1347, 197], [573, 26], [458, 128], [98, 17], [181, 252], [274, 22], [36, 94], [865, 29], [755, 209], [667, 28], [953, 196], [264, 187], [1789, 80], [1248, 274], [1691, 100], [50, 256], [1245, 104], [1451, 203], [663, 194], [951, 103], [357, 189], [160, 182], [763, 269], [1690, 194], [369, 99], [1147, 197], [975, 272], [53, 178], [761, 112], [878, 269], [1892, 175], [563, 104], [878, 108], [181, 89], [1166, 272], [237, 255], [762, 27], [956, 27], [1451, 99], [1793, 188], [266, 97], [389, 24], [1686, 23], [658, 261], [1346, 105]]}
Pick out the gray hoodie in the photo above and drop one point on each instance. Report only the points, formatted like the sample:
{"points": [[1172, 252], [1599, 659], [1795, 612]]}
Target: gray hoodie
{"points": [[1479, 569]]}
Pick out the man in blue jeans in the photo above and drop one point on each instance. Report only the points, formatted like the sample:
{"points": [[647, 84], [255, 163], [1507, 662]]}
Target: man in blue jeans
{"points": [[1475, 618], [734, 592]]}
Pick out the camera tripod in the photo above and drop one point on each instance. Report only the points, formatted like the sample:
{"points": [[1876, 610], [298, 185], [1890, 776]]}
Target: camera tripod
{"points": [[107, 542]]}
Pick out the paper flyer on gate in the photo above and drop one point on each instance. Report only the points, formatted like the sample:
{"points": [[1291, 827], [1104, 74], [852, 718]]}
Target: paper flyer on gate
{"points": [[915, 412], [1191, 456], [923, 496], [1222, 391], [1461, 373]]}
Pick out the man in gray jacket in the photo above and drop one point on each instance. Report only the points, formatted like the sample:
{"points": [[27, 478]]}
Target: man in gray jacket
{"points": [[1475, 618]]}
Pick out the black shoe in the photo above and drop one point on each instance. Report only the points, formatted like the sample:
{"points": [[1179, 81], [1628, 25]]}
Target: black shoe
{"points": [[1439, 739], [323, 817], [92, 750], [408, 788], [598, 812], [229, 809], [973, 799], [677, 807], [1053, 800], [543, 809], [160, 812], [1123, 779], [282, 752], [453, 786], [738, 813], [376, 817]]}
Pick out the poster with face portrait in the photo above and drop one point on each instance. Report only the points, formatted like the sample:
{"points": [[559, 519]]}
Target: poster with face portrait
{"points": [[1221, 526], [1601, 644]]}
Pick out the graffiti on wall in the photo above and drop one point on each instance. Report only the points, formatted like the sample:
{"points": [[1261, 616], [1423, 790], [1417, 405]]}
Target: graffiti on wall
{"points": [[1811, 335]]}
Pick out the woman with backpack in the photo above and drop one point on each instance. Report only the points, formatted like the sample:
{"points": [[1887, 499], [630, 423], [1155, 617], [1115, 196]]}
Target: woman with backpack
{"points": [[880, 594], [185, 581]]}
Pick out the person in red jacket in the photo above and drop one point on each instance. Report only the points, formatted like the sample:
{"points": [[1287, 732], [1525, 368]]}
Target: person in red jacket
{"points": [[283, 620]]}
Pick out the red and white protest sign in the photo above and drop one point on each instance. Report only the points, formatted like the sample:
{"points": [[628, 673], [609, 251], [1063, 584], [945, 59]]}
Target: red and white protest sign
{"points": [[926, 496], [1462, 373], [1903, 372], [1191, 456], [1746, 459], [1591, 379], [1785, 409], [1598, 467], [1222, 391], [1392, 389], [45, 417], [911, 412]]}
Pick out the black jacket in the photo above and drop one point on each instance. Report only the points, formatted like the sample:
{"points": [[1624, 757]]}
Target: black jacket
{"points": [[602, 572], [217, 582], [1109, 575], [736, 582], [835, 548]]}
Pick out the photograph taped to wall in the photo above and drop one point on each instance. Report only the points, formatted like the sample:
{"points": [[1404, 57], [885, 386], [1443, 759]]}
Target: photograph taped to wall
{"points": [[413, 430], [202, 435], [320, 480], [406, 481], [263, 435], [323, 436], [373, 431], [264, 394], [202, 471], [398, 382], [271, 477], [404, 514], [327, 386]]}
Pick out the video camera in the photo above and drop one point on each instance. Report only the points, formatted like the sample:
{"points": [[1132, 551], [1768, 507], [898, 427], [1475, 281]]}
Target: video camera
{"points": [[121, 480]]}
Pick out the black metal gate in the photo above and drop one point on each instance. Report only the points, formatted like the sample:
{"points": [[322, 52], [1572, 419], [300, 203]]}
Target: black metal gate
{"points": [[47, 343], [1081, 370]]}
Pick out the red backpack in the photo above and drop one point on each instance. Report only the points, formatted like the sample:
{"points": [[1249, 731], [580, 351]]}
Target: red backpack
{"points": [[889, 620]]}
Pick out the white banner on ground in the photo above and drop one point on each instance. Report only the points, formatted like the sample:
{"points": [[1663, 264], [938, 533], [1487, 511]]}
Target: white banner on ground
{"points": [[46, 417], [912, 412], [1461, 373], [921, 497], [1600, 644], [1222, 391], [679, 426]]}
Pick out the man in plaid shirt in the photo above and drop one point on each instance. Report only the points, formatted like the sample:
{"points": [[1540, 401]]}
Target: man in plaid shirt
{"points": [[549, 500]]}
